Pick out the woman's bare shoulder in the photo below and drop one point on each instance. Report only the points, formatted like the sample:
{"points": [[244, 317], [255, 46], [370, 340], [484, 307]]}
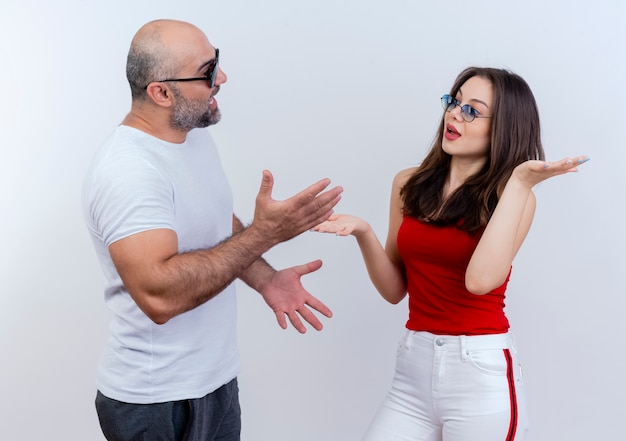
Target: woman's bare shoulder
{"points": [[403, 175]]}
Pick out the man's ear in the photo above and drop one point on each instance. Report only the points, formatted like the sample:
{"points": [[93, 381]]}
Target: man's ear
{"points": [[160, 94]]}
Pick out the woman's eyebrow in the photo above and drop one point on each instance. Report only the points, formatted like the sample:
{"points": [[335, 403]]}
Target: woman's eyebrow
{"points": [[476, 100]]}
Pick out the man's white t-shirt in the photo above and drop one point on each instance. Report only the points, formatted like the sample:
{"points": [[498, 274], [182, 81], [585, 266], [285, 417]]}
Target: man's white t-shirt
{"points": [[136, 183]]}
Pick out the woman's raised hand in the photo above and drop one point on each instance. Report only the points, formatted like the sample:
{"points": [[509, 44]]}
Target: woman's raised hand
{"points": [[533, 172], [343, 225]]}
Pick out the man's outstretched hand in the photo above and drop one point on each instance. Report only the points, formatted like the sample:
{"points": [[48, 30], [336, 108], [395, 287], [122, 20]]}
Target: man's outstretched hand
{"points": [[279, 221], [286, 296]]}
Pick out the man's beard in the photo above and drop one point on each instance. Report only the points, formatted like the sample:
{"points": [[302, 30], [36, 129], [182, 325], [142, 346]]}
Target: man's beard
{"points": [[190, 114]]}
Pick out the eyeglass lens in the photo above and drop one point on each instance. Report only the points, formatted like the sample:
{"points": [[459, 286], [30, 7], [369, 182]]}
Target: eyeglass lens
{"points": [[214, 67], [448, 102]]}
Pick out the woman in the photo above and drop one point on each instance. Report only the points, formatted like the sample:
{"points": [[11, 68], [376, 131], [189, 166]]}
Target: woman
{"points": [[456, 224]]}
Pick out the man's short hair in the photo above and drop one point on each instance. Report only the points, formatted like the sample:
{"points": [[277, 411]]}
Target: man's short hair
{"points": [[148, 60]]}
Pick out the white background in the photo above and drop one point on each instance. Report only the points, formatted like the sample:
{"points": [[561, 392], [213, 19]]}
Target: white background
{"points": [[325, 88]]}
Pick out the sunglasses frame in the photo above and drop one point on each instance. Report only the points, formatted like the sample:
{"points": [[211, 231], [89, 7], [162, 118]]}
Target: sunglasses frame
{"points": [[449, 103], [211, 78]]}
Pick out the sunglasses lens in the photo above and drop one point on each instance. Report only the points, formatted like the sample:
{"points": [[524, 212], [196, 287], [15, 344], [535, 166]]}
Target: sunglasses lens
{"points": [[447, 102], [468, 112], [212, 73]]}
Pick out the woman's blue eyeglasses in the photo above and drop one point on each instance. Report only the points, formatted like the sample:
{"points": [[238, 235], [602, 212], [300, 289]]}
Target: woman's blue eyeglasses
{"points": [[448, 102], [211, 73]]}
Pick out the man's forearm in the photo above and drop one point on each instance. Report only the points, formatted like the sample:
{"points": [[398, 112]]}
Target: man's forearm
{"points": [[259, 272], [180, 282]]}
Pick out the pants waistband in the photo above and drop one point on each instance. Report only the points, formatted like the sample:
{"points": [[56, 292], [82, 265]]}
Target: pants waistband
{"points": [[462, 343]]}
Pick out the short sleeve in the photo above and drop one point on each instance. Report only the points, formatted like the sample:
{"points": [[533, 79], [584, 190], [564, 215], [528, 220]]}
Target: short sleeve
{"points": [[129, 195]]}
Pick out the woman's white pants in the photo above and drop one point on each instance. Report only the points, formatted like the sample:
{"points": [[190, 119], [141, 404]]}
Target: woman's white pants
{"points": [[453, 388]]}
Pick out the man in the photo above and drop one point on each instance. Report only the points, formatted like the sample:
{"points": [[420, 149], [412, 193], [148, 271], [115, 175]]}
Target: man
{"points": [[159, 210]]}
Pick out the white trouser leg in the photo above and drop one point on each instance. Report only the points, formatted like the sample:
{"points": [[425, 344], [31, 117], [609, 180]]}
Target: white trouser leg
{"points": [[453, 388]]}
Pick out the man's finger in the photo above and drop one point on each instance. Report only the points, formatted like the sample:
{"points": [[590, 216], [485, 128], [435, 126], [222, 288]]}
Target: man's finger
{"points": [[320, 307], [311, 319], [307, 268], [267, 184], [296, 322], [280, 318], [309, 193]]}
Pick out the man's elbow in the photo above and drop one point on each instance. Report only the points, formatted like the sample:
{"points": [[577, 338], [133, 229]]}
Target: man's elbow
{"points": [[159, 318], [155, 308], [159, 315]]}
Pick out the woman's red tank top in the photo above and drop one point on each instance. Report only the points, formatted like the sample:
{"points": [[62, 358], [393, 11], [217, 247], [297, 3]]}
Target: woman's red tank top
{"points": [[435, 260]]}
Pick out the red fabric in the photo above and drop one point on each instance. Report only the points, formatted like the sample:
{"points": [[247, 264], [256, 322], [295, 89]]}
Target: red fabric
{"points": [[435, 259], [510, 376]]}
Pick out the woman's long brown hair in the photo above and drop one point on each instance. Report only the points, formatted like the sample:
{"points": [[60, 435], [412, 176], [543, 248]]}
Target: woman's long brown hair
{"points": [[515, 138]]}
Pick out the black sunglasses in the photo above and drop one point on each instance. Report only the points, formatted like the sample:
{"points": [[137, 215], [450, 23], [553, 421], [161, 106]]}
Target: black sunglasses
{"points": [[211, 73], [448, 102]]}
